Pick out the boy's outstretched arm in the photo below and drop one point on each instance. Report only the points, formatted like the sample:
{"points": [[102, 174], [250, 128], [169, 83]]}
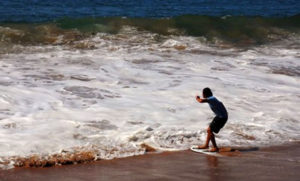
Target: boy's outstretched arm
{"points": [[201, 100]]}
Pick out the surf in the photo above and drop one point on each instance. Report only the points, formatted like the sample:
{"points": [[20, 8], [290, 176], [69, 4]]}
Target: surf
{"points": [[238, 31]]}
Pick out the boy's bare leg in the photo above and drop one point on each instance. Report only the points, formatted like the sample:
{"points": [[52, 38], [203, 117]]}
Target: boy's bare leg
{"points": [[213, 140], [207, 140]]}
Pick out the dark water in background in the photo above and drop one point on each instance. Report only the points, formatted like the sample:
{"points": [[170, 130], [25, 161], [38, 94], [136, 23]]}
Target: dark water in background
{"points": [[245, 22], [45, 10]]}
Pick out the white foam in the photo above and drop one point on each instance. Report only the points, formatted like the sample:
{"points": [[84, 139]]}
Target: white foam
{"points": [[129, 91]]}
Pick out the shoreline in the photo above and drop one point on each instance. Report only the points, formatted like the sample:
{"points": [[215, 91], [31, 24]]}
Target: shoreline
{"points": [[268, 163]]}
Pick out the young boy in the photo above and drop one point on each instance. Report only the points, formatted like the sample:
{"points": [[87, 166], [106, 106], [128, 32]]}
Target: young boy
{"points": [[218, 122]]}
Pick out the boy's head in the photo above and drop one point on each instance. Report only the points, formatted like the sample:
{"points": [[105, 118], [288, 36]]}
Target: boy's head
{"points": [[207, 92]]}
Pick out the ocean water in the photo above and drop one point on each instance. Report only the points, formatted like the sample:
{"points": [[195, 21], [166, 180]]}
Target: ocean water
{"points": [[47, 10], [89, 80]]}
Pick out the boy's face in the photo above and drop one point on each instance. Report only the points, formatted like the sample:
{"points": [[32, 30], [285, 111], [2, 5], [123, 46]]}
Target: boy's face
{"points": [[203, 95]]}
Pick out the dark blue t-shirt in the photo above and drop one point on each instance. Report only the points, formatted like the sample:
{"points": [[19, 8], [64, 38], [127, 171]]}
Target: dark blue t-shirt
{"points": [[217, 107]]}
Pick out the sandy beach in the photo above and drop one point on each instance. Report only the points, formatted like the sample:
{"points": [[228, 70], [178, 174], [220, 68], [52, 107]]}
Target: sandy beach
{"points": [[272, 163]]}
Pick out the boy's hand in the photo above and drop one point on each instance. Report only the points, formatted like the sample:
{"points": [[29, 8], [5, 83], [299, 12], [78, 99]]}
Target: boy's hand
{"points": [[200, 100]]}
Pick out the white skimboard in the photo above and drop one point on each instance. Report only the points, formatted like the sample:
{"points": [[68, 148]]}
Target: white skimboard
{"points": [[204, 151]]}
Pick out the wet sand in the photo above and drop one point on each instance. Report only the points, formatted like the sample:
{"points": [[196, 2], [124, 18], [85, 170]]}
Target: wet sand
{"points": [[273, 163]]}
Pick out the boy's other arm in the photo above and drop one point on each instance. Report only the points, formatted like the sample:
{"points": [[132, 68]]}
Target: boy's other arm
{"points": [[201, 100]]}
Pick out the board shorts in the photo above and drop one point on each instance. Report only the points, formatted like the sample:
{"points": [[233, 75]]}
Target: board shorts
{"points": [[217, 123]]}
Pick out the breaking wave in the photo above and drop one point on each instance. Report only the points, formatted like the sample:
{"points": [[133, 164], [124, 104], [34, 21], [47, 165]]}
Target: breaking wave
{"points": [[232, 30]]}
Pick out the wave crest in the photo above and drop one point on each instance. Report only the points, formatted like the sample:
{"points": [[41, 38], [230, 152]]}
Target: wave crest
{"points": [[235, 30]]}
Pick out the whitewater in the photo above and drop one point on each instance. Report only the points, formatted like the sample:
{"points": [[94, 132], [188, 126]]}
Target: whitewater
{"points": [[113, 93]]}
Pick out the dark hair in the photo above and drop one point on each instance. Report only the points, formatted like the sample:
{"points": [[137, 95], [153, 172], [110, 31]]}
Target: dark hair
{"points": [[207, 92]]}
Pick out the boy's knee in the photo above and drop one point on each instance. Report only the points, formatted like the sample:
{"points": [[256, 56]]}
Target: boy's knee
{"points": [[208, 130]]}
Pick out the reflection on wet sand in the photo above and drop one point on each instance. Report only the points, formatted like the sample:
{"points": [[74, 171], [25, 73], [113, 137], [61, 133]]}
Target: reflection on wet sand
{"points": [[264, 164], [213, 165]]}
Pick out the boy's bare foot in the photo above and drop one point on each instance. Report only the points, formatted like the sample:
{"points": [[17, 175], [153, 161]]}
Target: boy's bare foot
{"points": [[203, 147], [214, 149]]}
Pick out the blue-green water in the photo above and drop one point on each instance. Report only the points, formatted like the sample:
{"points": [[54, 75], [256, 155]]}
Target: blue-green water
{"points": [[235, 22], [45, 10]]}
